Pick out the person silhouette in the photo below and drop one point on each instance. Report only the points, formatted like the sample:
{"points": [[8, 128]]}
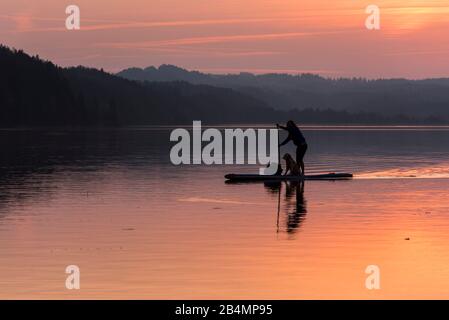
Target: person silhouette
{"points": [[295, 135]]}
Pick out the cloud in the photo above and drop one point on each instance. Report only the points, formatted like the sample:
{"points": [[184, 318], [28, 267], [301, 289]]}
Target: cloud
{"points": [[213, 39], [413, 53], [99, 25], [104, 25]]}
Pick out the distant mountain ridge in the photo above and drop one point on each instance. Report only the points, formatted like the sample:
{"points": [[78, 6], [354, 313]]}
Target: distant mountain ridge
{"points": [[388, 97]]}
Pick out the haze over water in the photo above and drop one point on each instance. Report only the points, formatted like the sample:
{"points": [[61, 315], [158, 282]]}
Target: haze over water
{"points": [[110, 202]]}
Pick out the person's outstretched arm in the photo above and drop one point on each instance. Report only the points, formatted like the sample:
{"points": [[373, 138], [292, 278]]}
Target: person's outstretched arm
{"points": [[286, 140], [281, 127]]}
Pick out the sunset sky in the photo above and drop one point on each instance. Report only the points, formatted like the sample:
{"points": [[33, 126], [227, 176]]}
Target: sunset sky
{"points": [[228, 36]]}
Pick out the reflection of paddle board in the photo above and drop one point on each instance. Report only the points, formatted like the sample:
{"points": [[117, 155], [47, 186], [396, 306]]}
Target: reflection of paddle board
{"points": [[256, 177]]}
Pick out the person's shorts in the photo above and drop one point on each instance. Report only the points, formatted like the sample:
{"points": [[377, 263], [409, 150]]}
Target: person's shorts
{"points": [[300, 152]]}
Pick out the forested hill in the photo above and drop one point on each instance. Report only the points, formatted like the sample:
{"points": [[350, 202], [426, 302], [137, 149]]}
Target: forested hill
{"points": [[387, 97], [34, 92]]}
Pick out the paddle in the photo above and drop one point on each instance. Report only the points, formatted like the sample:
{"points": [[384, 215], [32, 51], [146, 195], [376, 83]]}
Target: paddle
{"points": [[279, 207], [279, 170]]}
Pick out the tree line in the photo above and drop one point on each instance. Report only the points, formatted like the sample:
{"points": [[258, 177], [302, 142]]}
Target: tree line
{"points": [[34, 92]]}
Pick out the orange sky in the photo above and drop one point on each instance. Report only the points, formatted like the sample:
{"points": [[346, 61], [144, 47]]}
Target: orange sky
{"points": [[325, 37]]}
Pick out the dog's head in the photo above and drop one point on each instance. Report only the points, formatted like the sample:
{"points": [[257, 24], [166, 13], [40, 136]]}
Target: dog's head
{"points": [[287, 157]]}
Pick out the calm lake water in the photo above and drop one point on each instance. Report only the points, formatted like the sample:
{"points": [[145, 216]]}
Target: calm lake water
{"points": [[110, 202]]}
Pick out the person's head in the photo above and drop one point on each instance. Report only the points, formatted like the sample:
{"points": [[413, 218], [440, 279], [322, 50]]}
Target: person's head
{"points": [[291, 124]]}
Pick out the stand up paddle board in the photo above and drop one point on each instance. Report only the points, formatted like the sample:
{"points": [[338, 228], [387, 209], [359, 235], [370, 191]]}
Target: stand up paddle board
{"points": [[257, 177]]}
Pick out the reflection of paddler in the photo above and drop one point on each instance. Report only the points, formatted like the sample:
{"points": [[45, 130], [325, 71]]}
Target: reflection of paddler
{"points": [[296, 204], [295, 217]]}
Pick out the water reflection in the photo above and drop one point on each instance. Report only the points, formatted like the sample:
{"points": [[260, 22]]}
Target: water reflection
{"points": [[295, 204], [34, 164], [113, 203]]}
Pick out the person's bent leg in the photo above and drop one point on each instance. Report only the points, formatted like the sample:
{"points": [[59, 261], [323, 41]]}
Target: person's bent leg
{"points": [[299, 159], [302, 160], [300, 152], [298, 155]]}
